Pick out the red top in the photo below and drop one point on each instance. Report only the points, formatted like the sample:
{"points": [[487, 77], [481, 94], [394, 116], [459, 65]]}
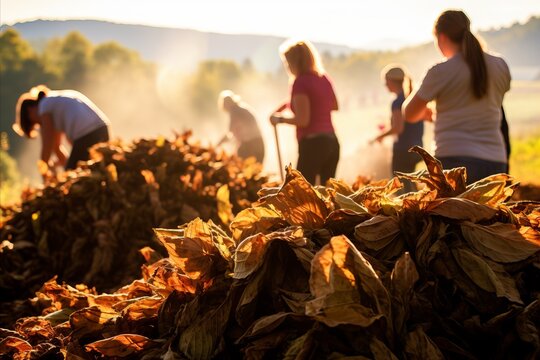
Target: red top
{"points": [[322, 100]]}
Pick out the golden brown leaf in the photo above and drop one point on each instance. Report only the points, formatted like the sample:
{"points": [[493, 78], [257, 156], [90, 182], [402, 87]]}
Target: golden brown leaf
{"points": [[377, 232], [297, 202], [461, 209], [121, 345], [419, 346], [250, 252], [488, 276], [500, 242], [338, 271], [224, 205], [13, 344], [254, 220], [90, 320]]}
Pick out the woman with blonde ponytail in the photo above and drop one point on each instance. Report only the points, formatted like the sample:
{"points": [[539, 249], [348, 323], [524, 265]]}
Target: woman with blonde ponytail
{"points": [[468, 89], [406, 135]]}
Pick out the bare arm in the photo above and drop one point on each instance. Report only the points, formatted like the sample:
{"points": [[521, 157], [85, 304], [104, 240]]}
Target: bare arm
{"points": [[59, 149], [398, 124], [301, 115], [49, 138], [415, 109]]}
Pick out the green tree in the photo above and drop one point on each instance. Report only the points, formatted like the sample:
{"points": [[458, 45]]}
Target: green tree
{"points": [[20, 69], [75, 60], [209, 80]]}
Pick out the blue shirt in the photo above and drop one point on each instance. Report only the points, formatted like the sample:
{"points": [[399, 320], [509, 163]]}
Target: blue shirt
{"points": [[412, 133]]}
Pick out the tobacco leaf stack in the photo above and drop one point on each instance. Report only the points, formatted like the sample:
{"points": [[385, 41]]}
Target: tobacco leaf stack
{"points": [[451, 271], [88, 226]]}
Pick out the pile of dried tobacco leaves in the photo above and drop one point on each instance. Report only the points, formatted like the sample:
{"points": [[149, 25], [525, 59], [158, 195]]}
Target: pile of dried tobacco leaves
{"points": [[89, 227], [451, 271]]}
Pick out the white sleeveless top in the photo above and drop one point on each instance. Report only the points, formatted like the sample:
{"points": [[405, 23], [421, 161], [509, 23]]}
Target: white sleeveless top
{"points": [[72, 113]]}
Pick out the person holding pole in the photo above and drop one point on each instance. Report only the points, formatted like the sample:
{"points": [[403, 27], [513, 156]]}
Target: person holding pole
{"points": [[312, 100]]}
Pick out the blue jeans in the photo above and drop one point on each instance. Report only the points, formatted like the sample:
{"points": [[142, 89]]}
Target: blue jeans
{"points": [[477, 169]]}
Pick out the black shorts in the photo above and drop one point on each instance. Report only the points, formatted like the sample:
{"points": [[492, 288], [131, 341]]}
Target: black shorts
{"points": [[79, 151], [318, 155]]}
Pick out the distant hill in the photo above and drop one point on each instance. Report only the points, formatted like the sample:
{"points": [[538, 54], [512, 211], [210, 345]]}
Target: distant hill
{"points": [[169, 45], [518, 44]]}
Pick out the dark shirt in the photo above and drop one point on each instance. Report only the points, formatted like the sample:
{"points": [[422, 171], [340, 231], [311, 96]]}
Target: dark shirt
{"points": [[412, 132]]}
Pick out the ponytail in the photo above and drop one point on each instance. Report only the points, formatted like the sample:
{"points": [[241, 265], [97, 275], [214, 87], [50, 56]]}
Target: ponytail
{"points": [[409, 83], [456, 25], [474, 56]]}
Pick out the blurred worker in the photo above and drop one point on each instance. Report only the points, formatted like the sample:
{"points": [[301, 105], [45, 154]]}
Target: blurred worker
{"points": [[406, 135], [243, 127], [58, 113], [468, 89], [312, 101]]}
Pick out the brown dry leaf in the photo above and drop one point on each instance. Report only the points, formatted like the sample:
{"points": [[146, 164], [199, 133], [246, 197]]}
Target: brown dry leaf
{"points": [[13, 344], [340, 277], [254, 220], [461, 209], [201, 338], [491, 190], [419, 346], [380, 351], [142, 308], [90, 320], [250, 252], [190, 248], [377, 232], [297, 202], [346, 203], [500, 242], [376, 196], [63, 296], [35, 328], [224, 206], [488, 276], [402, 280], [121, 345], [447, 182], [339, 186], [164, 278]]}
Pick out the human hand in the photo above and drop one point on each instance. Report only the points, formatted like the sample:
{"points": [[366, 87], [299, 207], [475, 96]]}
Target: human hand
{"points": [[428, 114], [275, 119]]}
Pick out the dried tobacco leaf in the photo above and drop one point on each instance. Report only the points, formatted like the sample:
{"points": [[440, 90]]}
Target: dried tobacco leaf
{"points": [[250, 252], [377, 232], [11, 344], [254, 220], [402, 280], [461, 209], [447, 183], [375, 197], [224, 206], [491, 191], [500, 242], [121, 345], [345, 287], [380, 351], [419, 346], [90, 320], [297, 202], [487, 275], [192, 249]]}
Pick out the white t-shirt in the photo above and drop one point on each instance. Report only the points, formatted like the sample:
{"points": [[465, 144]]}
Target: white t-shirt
{"points": [[465, 125], [72, 113]]}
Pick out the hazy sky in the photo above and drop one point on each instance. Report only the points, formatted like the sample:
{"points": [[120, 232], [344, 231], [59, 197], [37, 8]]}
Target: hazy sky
{"points": [[352, 22]]}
